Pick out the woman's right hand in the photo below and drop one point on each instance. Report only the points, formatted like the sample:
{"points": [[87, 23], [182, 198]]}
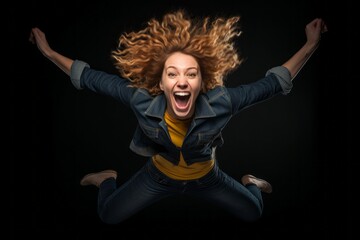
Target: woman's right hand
{"points": [[38, 37]]}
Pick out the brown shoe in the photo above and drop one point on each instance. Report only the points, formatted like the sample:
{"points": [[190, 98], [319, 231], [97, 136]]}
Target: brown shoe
{"points": [[260, 183], [97, 178]]}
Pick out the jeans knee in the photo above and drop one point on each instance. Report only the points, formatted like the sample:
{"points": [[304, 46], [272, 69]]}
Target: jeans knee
{"points": [[249, 213], [108, 217]]}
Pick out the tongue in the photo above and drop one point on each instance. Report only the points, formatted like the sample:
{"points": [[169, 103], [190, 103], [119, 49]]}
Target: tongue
{"points": [[181, 101]]}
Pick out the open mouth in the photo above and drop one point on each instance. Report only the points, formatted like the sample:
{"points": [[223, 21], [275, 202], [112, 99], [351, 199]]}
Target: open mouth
{"points": [[182, 99]]}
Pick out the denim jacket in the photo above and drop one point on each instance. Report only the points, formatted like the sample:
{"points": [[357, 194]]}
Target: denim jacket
{"points": [[213, 110]]}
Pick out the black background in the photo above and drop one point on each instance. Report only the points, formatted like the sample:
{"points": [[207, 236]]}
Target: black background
{"points": [[301, 143]]}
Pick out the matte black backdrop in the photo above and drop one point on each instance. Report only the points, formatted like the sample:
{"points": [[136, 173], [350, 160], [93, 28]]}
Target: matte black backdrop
{"points": [[301, 143]]}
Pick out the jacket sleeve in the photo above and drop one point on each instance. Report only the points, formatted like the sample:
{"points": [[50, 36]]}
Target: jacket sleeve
{"points": [[83, 77], [283, 75], [277, 80]]}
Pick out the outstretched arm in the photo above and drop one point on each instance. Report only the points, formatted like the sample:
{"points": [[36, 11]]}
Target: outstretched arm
{"points": [[38, 37], [313, 31]]}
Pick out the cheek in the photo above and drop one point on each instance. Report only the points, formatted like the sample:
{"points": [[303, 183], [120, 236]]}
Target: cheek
{"points": [[166, 85], [197, 86], [166, 89]]}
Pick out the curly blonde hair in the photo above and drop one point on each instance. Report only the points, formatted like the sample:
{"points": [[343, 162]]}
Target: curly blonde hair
{"points": [[140, 56]]}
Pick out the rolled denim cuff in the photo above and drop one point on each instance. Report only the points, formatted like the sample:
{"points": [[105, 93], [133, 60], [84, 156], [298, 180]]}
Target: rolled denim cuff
{"points": [[75, 73], [284, 77]]}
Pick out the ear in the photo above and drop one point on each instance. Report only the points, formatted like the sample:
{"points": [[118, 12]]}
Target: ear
{"points": [[161, 85]]}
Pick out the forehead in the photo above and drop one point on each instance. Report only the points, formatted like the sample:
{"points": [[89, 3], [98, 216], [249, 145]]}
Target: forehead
{"points": [[181, 60]]}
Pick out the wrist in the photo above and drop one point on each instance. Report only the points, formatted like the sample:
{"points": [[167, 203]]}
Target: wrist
{"points": [[311, 46]]}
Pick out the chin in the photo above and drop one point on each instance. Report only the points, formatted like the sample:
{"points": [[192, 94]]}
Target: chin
{"points": [[183, 115]]}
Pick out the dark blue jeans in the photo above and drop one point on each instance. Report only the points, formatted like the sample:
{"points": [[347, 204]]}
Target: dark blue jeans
{"points": [[149, 185]]}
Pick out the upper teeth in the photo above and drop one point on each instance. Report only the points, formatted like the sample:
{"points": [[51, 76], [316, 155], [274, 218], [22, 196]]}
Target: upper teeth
{"points": [[182, 93]]}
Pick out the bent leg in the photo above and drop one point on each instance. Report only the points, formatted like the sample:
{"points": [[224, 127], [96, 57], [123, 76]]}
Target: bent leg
{"points": [[245, 202], [140, 191]]}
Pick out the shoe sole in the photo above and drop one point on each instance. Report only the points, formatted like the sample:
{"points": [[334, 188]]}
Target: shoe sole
{"points": [[82, 182], [267, 188]]}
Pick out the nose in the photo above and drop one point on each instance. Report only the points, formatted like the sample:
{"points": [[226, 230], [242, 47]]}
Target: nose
{"points": [[182, 83]]}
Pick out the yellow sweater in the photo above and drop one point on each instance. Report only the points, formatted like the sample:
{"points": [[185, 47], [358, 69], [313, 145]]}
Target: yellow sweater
{"points": [[177, 130]]}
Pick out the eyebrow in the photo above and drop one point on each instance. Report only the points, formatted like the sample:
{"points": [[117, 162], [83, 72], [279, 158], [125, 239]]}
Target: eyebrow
{"points": [[185, 69]]}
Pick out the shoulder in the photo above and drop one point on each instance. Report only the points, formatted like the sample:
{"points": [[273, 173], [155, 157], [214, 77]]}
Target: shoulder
{"points": [[216, 93]]}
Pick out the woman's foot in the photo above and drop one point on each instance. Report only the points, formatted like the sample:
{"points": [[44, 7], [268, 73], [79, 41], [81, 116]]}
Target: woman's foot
{"points": [[97, 178], [260, 183]]}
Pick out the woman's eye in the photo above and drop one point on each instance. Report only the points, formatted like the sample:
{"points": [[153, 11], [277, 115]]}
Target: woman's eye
{"points": [[192, 75], [171, 75]]}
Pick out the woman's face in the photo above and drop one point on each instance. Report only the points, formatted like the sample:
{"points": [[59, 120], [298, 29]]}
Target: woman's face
{"points": [[181, 83]]}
